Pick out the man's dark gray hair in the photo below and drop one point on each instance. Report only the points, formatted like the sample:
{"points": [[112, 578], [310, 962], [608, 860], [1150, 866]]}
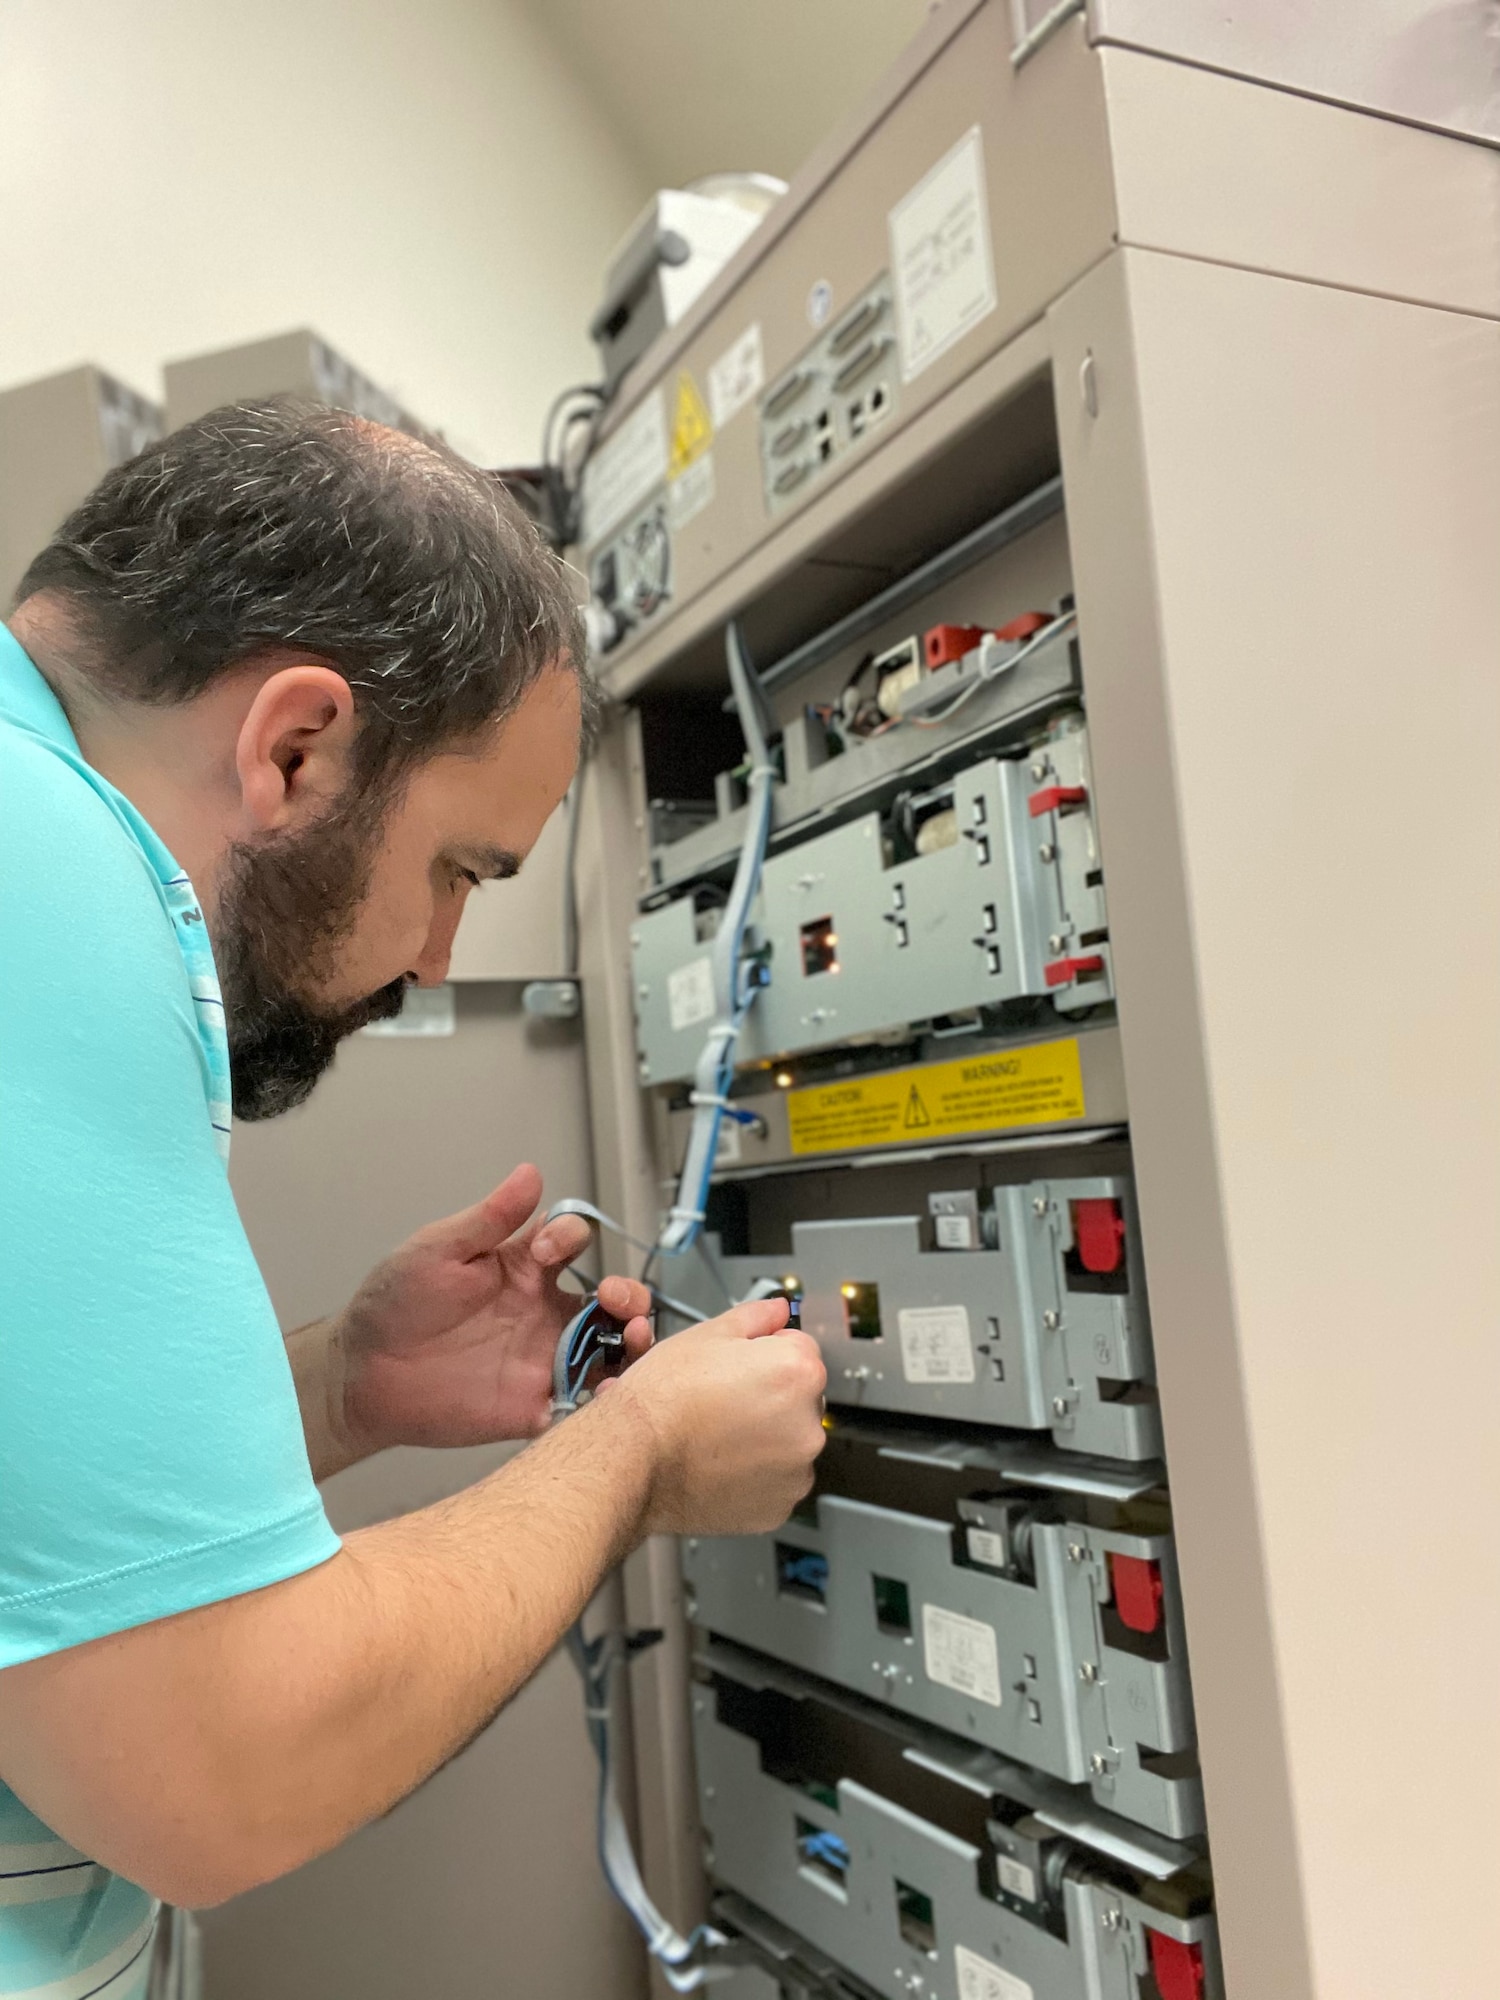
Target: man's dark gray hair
{"points": [[282, 523]]}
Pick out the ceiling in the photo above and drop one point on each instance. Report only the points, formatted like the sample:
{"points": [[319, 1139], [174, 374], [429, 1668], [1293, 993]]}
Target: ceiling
{"points": [[698, 86]]}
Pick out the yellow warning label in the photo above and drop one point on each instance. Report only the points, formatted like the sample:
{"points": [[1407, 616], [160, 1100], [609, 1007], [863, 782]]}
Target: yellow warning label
{"points": [[692, 431], [1041, 1084]]}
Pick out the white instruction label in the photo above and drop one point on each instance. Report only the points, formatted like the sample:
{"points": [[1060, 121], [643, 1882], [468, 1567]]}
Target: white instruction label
{"points": [[979, 1980], [625, 469], [985, 1546], [1016, 1879], [935, 1344], [953, 1232], [736, 378], [691, 491], [961, 1654], [941, 263], [690, 993]]}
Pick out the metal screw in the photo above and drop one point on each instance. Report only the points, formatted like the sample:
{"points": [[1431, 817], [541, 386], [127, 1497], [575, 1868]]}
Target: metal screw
{"points": [[1051, 1319], [1046, 852], [1039, 1205], [1059, 1406], [1039, 770], [1076, 1552], [1098, 1764], [1088, 1672], [1056, 942], [1110, 1920]]}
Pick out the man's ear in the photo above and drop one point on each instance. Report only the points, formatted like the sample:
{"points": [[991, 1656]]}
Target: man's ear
{"points": [[292, 753]]}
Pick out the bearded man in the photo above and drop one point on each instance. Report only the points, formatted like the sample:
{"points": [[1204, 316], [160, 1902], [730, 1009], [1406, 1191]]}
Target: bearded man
{"points": [[278, 694]]}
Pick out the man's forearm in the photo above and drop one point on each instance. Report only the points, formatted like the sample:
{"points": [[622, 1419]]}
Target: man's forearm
{"points": [[282, 1720], [317, 1362]]}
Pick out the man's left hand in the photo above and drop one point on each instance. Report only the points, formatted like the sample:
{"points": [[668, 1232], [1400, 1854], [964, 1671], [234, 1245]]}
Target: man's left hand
{"points": [[450, 1340]]}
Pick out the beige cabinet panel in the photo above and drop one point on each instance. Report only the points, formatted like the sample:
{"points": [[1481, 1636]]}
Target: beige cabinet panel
{"points": [[1312, 190], [1284, 519]]}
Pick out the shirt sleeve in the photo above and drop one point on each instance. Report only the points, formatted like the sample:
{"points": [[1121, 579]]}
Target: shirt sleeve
{"points": [[151, 1450]]}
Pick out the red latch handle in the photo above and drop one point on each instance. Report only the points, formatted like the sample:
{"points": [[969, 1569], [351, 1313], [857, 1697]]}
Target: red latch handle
{"points": [[1136, 1582], [1063, 971], [1055, 796], [1099, 1233], [942, 644], [1176, 1967], [1025, 625]]}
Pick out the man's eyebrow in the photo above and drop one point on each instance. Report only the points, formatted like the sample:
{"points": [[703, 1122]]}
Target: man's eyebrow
{"points": [[497, 863]]}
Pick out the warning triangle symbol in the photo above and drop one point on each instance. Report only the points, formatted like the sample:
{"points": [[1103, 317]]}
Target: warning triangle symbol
{"points": [[917, 1114], [692, 429]]}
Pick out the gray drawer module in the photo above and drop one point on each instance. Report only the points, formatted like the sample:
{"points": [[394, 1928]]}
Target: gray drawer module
{"points": [[929, 1868], [985, 890], [1035, 1320], [981, 1590]]}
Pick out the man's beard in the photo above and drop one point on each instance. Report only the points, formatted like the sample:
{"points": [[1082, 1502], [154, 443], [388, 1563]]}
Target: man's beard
{"points": [[285, 906]]}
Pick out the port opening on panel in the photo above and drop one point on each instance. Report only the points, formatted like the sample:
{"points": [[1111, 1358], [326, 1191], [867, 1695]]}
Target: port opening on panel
{"points": [[892, 1606], [801, 1573], [861, 1310], [820, 947], [823, 1856], [914, 1916]]}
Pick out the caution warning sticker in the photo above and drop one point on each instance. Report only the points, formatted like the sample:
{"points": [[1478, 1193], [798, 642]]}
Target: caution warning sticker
{"points": [[1041, 1084], [692, 429]]}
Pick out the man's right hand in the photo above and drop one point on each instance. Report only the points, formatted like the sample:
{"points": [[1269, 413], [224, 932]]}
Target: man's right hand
{"points": [[735, 1409]]}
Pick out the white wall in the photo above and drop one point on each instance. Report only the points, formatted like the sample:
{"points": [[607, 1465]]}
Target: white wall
{"points": [[428, 185]]}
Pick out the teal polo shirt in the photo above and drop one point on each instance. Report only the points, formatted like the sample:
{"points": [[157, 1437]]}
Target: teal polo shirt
{"points": [[151, 1451]]}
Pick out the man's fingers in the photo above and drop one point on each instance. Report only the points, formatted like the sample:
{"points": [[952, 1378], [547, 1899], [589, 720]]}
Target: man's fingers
{"points": [[638, 1339], [476, 1231], [559, 1242], [626, 1298], [754, 1320]]}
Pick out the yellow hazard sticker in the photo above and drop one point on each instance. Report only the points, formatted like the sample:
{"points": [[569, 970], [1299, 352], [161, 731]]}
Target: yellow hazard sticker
{"points": [[1040, 1084], [692, 430]]}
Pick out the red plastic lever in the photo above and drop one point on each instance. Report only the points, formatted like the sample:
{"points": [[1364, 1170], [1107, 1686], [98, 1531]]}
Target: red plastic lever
{"points": [[942, 644], [1136, 1582], [1025, 625], [1176, 1967], [1063, 971], [1054, 796], [1099, 1232]]}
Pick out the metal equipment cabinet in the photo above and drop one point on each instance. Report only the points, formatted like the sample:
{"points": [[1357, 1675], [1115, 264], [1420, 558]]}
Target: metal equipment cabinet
{"points": [[1244, 302]]}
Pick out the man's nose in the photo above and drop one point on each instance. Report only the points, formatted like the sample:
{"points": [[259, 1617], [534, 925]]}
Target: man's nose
{"points": [[430, 967]]}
